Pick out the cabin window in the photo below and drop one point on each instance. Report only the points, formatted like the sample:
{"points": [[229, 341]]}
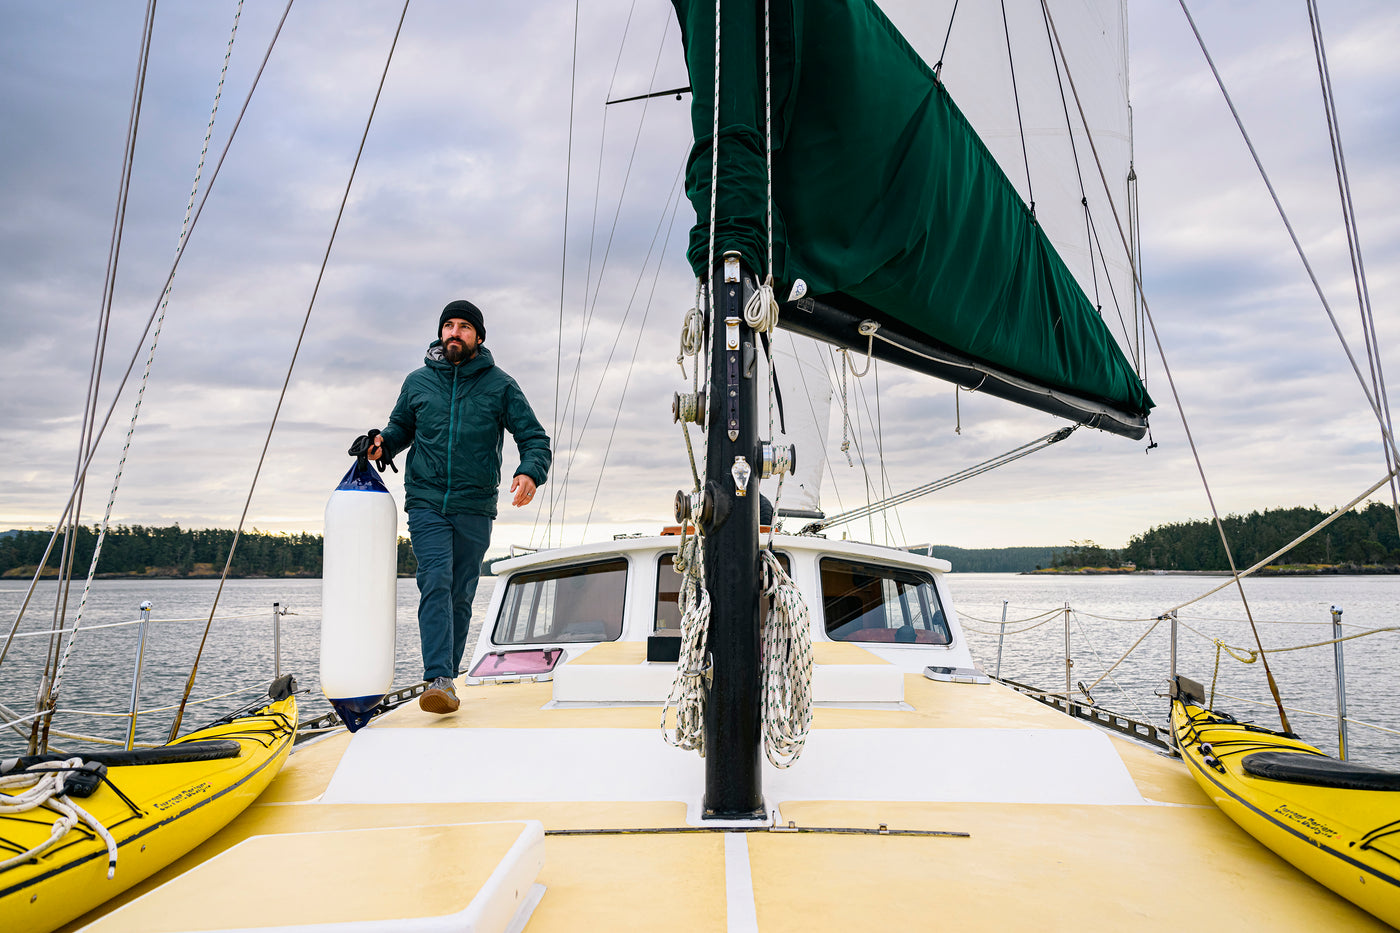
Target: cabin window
{"points": [[565, 604], [668, 592], [867, 603]]}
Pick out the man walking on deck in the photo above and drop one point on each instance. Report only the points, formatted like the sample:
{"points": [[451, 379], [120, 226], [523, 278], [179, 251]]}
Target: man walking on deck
{"points": [[453, 413]]}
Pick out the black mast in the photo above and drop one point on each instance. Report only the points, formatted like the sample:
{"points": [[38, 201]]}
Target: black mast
{"points": [[733, 780]]}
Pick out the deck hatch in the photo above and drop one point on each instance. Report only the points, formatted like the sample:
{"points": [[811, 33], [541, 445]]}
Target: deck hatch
{"points": [[522, 662]]}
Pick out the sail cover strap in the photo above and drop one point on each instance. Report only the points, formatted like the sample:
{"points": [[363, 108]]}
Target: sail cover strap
{"points": [[885, 201]]}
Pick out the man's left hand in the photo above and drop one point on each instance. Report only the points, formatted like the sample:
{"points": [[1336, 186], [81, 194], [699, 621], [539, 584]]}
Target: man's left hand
{"points": [[522, 489]]}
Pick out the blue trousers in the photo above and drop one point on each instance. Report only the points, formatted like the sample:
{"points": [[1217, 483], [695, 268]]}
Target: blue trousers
{"points": [[449, 549]]}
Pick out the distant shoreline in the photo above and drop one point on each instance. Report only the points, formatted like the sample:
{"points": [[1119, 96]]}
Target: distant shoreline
{"points": [[1285, 570], [28, 574]]}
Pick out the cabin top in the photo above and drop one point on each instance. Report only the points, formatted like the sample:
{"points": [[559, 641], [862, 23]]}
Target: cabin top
{"points": [[551, 606]]}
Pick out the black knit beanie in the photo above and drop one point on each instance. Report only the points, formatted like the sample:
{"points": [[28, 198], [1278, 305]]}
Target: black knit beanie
{"points": [[467, 312]]}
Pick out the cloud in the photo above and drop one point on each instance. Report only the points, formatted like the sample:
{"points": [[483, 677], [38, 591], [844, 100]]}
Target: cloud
{"points": [[461, 192]]}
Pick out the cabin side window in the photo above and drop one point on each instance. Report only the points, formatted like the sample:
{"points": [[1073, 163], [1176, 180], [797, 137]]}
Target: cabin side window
{"points": [[562, 605], [668, 593], [867, 603]]}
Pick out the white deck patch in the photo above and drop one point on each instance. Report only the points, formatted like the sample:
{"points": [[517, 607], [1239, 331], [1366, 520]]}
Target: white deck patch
{"points": [[741, 911], [651, 683], [1045, 766]]}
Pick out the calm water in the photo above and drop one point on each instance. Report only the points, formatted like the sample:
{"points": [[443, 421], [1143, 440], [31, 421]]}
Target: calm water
{"points": [[239, 653], [1290, 611], [1108, 615]]}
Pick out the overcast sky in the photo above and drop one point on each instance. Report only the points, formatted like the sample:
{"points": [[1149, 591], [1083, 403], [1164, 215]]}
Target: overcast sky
{"points": [[461, 193]]}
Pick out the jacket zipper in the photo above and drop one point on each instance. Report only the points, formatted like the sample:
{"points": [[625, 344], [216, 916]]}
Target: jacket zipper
{"points": [[451, 439]]}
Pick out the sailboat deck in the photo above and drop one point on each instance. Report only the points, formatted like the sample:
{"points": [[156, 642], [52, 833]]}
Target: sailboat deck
{"points": [[1159, 855]]}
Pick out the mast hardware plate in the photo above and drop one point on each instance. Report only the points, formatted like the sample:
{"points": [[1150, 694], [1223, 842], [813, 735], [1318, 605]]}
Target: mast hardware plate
{"points": [[731, 344]]}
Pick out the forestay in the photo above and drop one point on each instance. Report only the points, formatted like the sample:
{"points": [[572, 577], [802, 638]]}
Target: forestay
{"points": [[891, 210]]}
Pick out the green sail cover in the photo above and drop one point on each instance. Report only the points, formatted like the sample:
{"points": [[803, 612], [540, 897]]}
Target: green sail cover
{"points": [[884, 197]]}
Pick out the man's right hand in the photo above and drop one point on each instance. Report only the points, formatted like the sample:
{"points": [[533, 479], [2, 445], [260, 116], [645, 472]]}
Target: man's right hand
{"points": [[376, 447]]}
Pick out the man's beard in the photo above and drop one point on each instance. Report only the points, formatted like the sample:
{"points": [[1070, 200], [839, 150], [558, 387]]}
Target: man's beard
{"points": [[455, 350]]}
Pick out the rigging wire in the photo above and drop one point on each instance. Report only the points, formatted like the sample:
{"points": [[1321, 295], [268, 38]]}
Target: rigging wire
{"points": [[589, 305], [1078, 172], [150, 360], [86, 444], [141, 342], [673, 203], [1016, 95], [1166, 369], [563, 263], [938, 68], [1386, 434], [1358, 266], [880, 454], [574, 435], [305, 321], [823, 426]]}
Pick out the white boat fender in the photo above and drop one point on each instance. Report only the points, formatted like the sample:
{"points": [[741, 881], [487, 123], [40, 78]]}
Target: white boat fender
{"points": [[359, 583]]}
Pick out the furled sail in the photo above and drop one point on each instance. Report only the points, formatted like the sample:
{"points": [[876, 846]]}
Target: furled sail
{"points": [[891, 210]]}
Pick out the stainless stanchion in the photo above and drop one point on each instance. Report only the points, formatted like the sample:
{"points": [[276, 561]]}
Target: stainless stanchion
{"points": [[1001, 639], [1341, 684], [1068, 662], [136, 676], [1172, 616]]}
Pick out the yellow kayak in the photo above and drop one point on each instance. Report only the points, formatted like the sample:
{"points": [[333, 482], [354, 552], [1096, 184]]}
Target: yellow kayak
{"points": [[132, 812], [1336, 821]]}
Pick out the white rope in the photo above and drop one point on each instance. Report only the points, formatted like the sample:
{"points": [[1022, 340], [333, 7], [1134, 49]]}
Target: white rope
{"points": [[692, 336], [761, 310], [688, 689], [45, 783], [787, 667]]}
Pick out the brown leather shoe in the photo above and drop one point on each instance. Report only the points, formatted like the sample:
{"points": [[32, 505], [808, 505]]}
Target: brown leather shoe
{"points": [[440, 697]]}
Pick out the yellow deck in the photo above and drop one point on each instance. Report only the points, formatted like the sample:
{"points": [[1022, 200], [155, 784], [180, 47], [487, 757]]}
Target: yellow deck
{"points": [[1168, 864]]}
